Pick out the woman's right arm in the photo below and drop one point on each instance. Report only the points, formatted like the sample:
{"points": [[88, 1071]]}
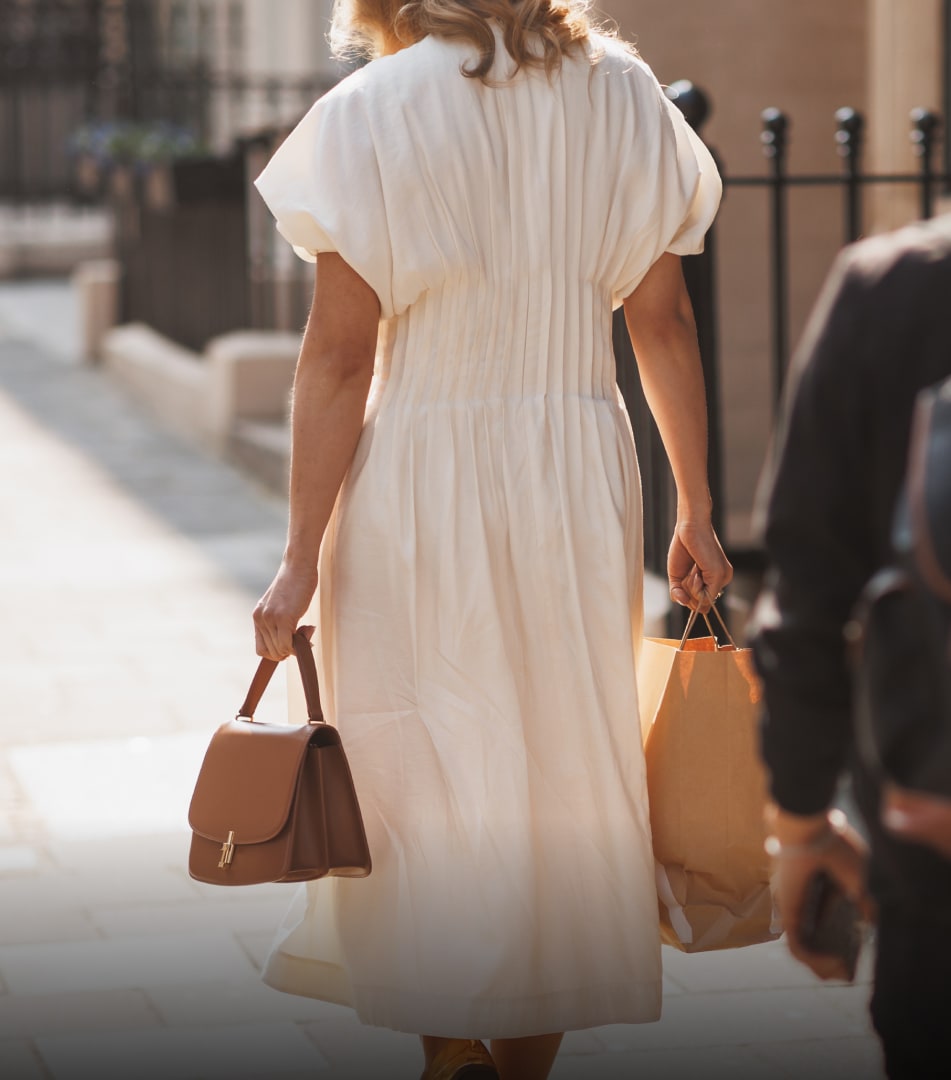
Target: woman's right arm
{"points": [[661, 324]]}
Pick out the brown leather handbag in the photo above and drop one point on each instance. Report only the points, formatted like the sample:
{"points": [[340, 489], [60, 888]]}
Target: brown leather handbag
{"points": [[275, 802]]}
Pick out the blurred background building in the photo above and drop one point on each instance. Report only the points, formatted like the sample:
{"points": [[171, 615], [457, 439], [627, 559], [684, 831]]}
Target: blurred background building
{"points": [[132, 128]]}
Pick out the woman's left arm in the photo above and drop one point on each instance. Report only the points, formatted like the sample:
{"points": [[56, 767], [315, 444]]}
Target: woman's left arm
{"points": [[330, 393], [664, 335]]}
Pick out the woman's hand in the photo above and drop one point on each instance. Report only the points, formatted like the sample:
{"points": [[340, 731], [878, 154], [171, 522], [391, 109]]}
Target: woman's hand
{"points": [[697, 568], [842, 854], [280, 610]]}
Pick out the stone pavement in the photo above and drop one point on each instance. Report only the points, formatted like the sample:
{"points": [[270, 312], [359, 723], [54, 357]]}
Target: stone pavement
{"points": [[128, 567]]}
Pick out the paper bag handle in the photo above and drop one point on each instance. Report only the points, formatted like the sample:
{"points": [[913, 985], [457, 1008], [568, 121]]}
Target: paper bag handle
{"points": [[308, 673], [706, 618]]}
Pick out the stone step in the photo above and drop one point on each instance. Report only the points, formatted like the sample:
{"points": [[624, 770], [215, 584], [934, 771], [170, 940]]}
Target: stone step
{"points": [[51, 239], [261, 448]]}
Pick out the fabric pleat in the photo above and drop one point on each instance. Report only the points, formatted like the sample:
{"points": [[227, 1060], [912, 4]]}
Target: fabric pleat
{"points": [[480, 594]]}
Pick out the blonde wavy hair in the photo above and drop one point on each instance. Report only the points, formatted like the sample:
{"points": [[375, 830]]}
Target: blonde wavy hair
{"points": [[363, 28]]}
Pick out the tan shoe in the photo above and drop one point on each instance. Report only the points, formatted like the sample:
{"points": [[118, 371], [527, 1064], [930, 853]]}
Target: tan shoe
{"points": [[462, 1059]]}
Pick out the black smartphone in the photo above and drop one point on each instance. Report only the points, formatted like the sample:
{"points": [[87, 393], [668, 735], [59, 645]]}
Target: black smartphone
{"points": [[830, 923]]}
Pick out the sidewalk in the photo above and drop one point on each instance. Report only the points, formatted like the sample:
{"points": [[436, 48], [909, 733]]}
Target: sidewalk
{"points": [[128, 568]]}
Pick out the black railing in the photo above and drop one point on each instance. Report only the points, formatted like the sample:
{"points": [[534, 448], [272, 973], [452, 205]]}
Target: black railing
{"points": [[49, 61], [69, 66], [850, 127], [946, 36], [199, 251], [181, 239], [701, 276]]}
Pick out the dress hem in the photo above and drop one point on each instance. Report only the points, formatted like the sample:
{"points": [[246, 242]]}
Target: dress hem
{"points": [[495, 1018]]}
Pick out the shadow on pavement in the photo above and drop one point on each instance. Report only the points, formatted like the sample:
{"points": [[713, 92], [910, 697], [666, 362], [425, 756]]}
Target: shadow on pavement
{"points": [[236, 525]]}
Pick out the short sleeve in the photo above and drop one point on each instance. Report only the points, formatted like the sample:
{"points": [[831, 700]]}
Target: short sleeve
{"points": [[700, 186], [323, 185], [670, 187]]}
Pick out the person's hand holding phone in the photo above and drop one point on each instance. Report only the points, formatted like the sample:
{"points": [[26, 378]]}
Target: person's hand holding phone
{"points": [[802, 848], [830, 924]]}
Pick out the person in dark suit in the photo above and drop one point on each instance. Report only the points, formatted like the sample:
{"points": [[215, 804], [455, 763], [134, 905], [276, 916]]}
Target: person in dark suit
{"points": [[880, 333]]}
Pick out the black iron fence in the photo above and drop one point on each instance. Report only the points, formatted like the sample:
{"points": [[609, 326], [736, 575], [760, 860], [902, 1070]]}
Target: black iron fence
{"points": [[86, 84], [121, 103], [49, 59], [182, 241], [946, 68], [852, 181], [199, 252], [701, 275]]}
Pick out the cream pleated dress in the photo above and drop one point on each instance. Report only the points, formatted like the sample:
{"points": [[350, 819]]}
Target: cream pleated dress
{"points": [[479, 607]]}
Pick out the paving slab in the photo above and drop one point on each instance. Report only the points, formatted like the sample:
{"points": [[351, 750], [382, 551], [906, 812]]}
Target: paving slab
{"points": [[581, 1043], [741, 1018], [50, 894], [759, 967], [826, 1059], [29, 1015], [19, 1060], [236, 1001], [718, 1063], [247, 919], [257, 947], [18, 859], [119, 963], [357, 1052], [108, 856], [58, 921], [222, 1053], [136, 785]]}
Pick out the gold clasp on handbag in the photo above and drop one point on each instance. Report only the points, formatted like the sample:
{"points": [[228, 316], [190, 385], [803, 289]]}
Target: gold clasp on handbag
{"points": [[227, 851]]}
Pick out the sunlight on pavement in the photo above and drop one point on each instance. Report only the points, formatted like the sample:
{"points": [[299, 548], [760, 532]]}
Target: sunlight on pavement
{"points": [[111, 787]]}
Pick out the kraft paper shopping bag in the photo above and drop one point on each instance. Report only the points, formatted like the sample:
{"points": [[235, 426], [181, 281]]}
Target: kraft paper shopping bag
{"points": [[707, 790]]}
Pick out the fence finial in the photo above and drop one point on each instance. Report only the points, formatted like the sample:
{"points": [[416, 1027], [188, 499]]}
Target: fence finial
{"points": [[925, 126], [693, 102], [849, 138], [775, 132], [849, 132]]}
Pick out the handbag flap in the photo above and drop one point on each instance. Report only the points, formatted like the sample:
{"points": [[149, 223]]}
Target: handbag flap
{"points": [[249, 778]]}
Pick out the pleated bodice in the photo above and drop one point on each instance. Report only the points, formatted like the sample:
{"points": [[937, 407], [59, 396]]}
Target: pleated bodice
{"points": [[500, 344]]}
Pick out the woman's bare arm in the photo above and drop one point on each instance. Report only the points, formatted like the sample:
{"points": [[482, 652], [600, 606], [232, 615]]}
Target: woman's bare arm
{"points": [[330, 392], [660, 321]]}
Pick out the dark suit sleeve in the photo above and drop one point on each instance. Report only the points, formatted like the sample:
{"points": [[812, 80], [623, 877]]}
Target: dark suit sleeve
{"points": [[820, 551]]}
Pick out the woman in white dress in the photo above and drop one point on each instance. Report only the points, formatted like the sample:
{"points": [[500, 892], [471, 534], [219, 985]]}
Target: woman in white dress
{"points": [[477, 199]]}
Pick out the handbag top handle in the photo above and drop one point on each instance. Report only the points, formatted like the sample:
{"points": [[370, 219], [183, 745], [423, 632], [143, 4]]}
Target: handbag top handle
{"points": [[308, 673]]}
